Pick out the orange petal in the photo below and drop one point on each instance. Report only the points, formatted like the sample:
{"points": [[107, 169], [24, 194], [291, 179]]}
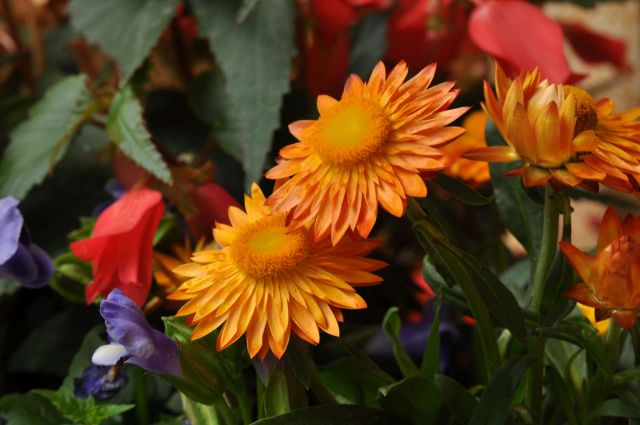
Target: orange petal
{"points": [[625, 318], [610, 229], [580, 261], [493, 154], [534, 176], [581, 293]]}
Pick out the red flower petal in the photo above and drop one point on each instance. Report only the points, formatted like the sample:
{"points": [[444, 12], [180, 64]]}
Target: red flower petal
{"points": [[594, 47], [212, 204], [521, 37], [327, 64], [121, 246]]}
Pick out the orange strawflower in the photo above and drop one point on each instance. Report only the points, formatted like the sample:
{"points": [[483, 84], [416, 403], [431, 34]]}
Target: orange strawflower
{"points": [[475, 173], [557, 132], [367, 148], [611, 279], [268, 280]]}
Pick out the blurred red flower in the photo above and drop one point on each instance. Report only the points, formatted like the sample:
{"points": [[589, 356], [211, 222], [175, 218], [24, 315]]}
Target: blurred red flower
{"points": [[329, 42], [521, 37], [211, 202], [421, 32], [120, 248]]}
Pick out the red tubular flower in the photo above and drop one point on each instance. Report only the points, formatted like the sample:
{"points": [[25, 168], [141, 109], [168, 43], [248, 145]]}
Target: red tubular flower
{"points": [[421, 32], [611, 278], [120, 247], [520, 37], [594, 47], [329, 44]]}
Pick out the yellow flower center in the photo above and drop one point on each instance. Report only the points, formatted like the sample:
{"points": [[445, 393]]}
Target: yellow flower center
{"points": [[264, 247], [586, 115], [351, 131]]}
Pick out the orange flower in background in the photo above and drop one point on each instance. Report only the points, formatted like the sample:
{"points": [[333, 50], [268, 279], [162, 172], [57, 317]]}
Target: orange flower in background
{"points": [[551, 128], [121, 246], [367, 148], [268, 280], [475, 173], [611, 279]]}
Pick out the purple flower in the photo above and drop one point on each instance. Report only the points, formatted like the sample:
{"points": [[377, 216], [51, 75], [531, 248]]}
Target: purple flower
{"points": [[141, 344], [101, 382], [19, 258]]}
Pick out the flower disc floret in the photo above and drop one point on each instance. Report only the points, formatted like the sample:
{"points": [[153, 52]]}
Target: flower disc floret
{"points": [[265, 248]]}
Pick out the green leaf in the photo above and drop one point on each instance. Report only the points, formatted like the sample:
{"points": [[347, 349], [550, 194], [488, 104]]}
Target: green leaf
{"points": [[209, 100], [41, 141], [617, 408], [416, 399], [199, 414], [391, 325], [84, 411], [521, 215], [457, 398], [431, 358], [352, 381], [255, 57], [246, 8], [334, 415], [369, 41], [70, 277], [435, 245], [495, 403], [276, 395], [28, 409], [562, 394], [125, 126], [8, 286], [461, 191], [82, 358], [124, 29], [205, 376], [298, 355]]}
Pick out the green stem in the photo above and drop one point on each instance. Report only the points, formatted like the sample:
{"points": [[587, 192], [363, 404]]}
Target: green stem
{"points": [[536, 377], [318, 387], [548, 246], [225, 411], [259, 398], [244, 406], [142, 403]]}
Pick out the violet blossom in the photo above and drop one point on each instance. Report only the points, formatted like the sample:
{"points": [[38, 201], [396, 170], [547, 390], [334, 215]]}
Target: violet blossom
{"points": [[133, 340], [20, 259]]}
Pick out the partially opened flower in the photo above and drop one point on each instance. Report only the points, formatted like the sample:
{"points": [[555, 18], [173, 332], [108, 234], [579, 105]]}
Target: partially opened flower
{"points": [[367, 148], [20, 259], [120, 247], [133, 340], [476, 173], [546, 125], [611, 278], [268, 280]]}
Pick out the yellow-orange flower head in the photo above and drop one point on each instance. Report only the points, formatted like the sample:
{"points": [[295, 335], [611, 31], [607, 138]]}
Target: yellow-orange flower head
{"points": [[367, 148], [611, 279], [268, 280]]}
